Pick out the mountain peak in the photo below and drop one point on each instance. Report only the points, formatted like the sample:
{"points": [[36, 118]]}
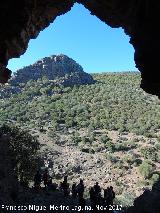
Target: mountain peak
{"points": [[53, 67], [53, 58]]}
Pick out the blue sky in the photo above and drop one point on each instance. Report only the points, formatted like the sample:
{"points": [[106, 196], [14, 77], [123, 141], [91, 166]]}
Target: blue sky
{"points": [[86, 39]]}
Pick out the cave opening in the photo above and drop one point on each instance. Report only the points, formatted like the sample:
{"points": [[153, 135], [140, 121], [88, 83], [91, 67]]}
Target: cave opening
{"points": [[86, 39]]}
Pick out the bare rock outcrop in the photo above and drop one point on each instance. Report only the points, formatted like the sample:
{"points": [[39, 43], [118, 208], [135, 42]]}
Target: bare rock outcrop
{"points": [[59, 68]]}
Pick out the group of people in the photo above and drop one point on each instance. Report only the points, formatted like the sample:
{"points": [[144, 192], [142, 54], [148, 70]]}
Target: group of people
{"points": [[95, 194], [77, 191], [106, 200], [45, 178]]}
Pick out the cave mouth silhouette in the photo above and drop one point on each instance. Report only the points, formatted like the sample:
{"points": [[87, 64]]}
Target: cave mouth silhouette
{"points": [[142, 19], [96, 46], [137, 18]]}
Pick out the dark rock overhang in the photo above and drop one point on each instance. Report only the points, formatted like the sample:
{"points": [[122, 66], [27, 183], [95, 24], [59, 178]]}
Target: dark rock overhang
{"points": [[21, 21]]}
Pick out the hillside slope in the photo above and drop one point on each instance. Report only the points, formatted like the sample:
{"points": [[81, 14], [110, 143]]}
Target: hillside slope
{"points": [[109, 130], [114, 102]]}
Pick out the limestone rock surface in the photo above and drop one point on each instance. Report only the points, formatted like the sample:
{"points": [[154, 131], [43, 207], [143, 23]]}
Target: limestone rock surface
{"points": [[59, 68]]}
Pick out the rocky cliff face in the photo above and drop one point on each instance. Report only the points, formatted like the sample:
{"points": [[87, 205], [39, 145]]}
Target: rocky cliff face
{"points": [[59, 68]]}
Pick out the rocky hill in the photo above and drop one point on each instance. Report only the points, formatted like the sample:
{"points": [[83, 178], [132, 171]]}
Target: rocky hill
{"points": [[59, 68], [56, 70]]}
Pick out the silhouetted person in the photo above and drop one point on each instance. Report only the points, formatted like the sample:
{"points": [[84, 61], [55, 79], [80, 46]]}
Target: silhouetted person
{"points": [[45, 178], [111, 195], [65, 179], [93, 199], [97, 189], [82, 204], [106, 200], [92, 194], [80, 189], [106, 195], [105, 192], [37, 180], [61, 186], [49, 184], [74, 190], [65, 187]]}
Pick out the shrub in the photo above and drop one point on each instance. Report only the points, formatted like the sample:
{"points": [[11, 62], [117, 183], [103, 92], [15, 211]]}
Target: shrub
{"points": [[126, 199], [137, 162], [120, 164], [112, 158], [51, 133], [149, 153], [129, 159], [23, 151], [158, 139], [146, 169], [110, 146], [122, 147], [154, 178], [157, 146], [105, 139], [75, 138]]}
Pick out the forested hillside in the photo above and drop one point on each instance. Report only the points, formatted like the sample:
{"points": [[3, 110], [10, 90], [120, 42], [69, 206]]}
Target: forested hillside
{"points": [[114, 102], [108, 131]]}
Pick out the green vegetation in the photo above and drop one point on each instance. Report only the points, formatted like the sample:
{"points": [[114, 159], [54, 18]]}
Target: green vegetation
{"points": [[23, 152], [87, 115], [114, 102], [146, 169], [154, 178], [150, 153]]}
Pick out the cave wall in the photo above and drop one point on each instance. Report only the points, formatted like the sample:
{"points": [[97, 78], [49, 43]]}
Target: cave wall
{"points": [[21, 21], [140, 20]]}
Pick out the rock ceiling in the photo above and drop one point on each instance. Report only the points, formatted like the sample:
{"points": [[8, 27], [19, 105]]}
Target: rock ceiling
{"points": [[21, 21]]}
